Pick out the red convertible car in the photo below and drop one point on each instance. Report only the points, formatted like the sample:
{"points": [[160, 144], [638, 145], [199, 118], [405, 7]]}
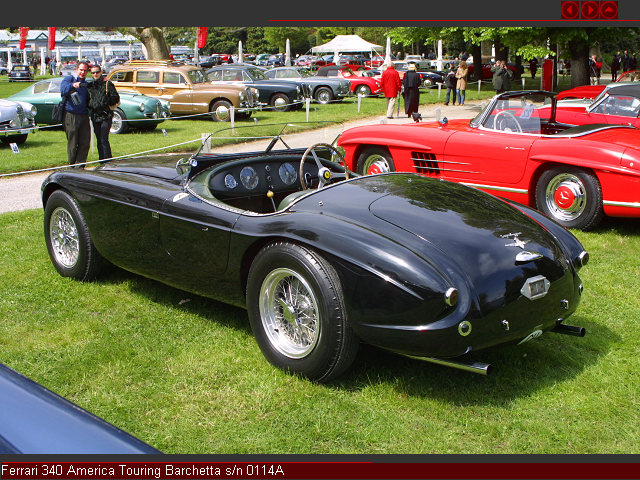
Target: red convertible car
{"points": [[361, 85], [515, 148], [618, 103], [592, 91]]}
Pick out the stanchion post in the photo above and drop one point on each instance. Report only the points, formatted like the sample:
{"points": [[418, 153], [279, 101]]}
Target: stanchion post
{"points": [[206, 143], [307, 102], [523, 80], [359, 101], [479, 85], [439, 90], [233, 117]]}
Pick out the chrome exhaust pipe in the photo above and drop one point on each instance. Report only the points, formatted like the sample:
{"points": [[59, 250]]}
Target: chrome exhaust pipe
{"points": [[474, 367], [569, 330]]}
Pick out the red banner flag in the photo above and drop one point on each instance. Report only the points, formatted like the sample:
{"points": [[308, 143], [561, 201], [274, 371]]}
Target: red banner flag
{"points": [[52, 38], [23, 37], [202, 36]]}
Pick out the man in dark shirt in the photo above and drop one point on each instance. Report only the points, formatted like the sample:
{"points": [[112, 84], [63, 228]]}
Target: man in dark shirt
{"points": [[76, 114]]}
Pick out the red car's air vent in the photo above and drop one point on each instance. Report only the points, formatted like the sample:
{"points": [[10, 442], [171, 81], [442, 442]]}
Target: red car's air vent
{"points": [[425, 163]]}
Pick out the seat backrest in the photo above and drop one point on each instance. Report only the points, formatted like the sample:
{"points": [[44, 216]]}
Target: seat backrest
{"points": [[289, 199]]}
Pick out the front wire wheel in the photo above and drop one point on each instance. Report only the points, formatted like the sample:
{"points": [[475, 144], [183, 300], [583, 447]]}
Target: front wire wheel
{"points": [[68, 239], [297, 313]]}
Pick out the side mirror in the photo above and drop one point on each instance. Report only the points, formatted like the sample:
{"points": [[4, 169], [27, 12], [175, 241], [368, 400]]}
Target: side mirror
{"points": [[184, 165], [443, 121]]}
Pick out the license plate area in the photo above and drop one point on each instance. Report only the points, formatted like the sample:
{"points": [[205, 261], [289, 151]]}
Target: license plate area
{"points": [[535, 287]]}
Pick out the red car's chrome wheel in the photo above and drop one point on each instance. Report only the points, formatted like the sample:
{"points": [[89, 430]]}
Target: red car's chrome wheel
{"points": [[374, 160], [570, 196]]}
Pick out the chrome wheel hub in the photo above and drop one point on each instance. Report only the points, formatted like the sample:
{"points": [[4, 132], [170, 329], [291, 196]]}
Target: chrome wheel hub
{"points": [[64, 237], [324, 97], [116, 123], [289, 313], [566, 197], [376, 164]]}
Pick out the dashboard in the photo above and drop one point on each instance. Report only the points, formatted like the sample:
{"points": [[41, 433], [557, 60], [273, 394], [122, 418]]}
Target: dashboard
{"points": [[258, 176]]}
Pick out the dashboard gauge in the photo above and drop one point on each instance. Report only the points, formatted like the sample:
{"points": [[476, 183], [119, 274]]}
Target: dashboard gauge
{"points": [[230, 181], [249, 178], [287, 173]]}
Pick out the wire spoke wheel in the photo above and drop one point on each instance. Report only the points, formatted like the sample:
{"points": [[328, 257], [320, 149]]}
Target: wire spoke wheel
{"points": [[289, 312], [64, 237]]}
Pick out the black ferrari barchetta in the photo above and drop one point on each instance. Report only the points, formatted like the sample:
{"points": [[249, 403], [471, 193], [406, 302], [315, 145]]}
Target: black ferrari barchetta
{"points": [[322, 259]]}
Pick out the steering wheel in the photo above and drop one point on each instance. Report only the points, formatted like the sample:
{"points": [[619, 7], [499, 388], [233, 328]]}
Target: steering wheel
{"points": [[325, 175], [508, 116]]}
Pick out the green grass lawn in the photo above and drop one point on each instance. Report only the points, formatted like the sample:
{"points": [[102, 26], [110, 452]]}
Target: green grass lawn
{"points": [[184, 373]]}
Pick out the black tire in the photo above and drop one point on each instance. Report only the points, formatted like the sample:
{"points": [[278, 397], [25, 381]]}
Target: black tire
{"points": [[17, 139], [363, 90], [323, 95], [119, 122], [68, 239], [571, 196], [321, 349], [281, 102], [375, 160], [217, 110]]}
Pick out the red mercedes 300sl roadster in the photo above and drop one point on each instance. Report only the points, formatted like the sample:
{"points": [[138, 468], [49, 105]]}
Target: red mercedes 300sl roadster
{"points": [[515, 148]]}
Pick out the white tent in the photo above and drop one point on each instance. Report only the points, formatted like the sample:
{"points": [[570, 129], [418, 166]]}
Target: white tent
{"points": [[346, 43]]}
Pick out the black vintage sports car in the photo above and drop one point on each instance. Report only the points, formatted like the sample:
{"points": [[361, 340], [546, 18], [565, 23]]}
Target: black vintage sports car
{"points": [[323, 260]]}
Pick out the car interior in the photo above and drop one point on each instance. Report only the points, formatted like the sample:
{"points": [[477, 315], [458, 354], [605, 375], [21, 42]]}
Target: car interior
{"points": [[265, 183]]}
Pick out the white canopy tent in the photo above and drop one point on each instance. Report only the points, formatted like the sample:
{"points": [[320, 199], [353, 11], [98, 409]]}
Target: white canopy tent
{"points": [[345, 44]]}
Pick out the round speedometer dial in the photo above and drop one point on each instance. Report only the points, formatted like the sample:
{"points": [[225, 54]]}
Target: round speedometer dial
{"points": [[230, 181], [287, 173], [249, 178]]}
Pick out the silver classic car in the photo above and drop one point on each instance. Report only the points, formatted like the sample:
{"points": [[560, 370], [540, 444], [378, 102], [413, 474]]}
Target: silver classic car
{"points": [[16, 121]]}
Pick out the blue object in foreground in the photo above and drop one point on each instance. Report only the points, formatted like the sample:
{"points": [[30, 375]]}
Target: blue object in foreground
{"points": [[33, 419]]}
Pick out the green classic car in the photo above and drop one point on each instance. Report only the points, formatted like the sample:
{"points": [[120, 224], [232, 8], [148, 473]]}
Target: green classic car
{"points": [[135, 110]]}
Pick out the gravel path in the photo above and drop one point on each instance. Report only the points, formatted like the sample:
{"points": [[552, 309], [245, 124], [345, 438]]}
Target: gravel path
{"points": [[22, 192]]}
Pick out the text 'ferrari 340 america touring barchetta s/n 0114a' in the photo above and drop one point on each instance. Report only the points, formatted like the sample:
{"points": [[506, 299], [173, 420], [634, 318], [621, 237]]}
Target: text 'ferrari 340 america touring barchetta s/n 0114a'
{"points": [[322, 259]]}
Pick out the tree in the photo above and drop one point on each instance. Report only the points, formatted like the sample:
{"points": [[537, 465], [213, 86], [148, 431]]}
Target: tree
{"points": [[153, 40]]}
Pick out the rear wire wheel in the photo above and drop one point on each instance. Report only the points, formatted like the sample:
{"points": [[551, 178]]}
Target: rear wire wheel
{"points": [[297, 313]]}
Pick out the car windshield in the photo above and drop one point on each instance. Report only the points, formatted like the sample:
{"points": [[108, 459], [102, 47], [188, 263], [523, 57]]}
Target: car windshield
{"points": [[198, 76], [525, 113]]}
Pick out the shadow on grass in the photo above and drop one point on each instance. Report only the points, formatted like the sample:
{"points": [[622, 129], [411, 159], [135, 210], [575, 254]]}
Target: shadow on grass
{"points": [[518, 370]]}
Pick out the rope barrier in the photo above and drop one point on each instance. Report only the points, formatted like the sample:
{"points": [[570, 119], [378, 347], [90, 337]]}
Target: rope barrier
{"points": [[104, 160]]}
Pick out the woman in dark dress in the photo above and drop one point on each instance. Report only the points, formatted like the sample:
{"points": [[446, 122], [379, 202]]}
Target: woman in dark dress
{"points": [[411, 94]]}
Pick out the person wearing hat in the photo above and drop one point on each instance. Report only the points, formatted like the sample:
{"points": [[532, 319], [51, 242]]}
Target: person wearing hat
{"points": [[391, 86], [411, 84]]}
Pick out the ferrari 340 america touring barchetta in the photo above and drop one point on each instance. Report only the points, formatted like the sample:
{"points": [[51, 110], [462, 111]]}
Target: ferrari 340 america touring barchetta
{"points": [[518, 149], [323, 260]]}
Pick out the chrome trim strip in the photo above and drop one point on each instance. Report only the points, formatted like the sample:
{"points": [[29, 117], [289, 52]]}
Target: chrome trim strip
{"points": [[439, 161], [500, 189], [612, 203], [445, 170]]}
